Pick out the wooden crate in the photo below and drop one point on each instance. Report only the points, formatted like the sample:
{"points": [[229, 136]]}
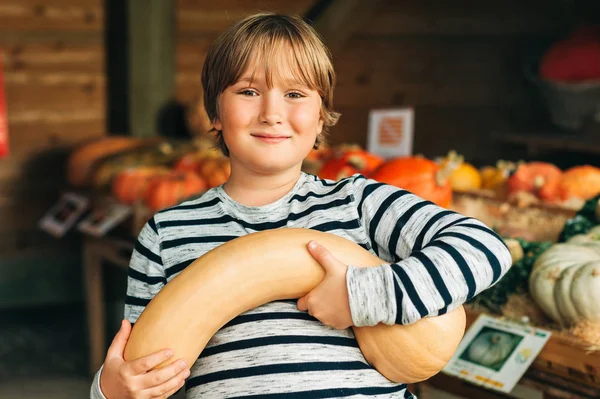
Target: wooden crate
{"points": [[533, 221]]}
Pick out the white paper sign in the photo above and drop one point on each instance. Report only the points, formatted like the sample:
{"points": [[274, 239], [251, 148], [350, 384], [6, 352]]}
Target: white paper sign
{"points": [[103, 219], [391, 132], [495, 353], [64, 214]]}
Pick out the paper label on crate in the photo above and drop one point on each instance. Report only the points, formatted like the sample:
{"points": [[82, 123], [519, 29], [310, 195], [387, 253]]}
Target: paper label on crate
{"points": [[3, 118], [391, 132], [495, 353], [63, 215], [104, 218]]}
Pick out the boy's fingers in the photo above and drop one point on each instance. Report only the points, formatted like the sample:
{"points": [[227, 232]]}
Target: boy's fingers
{"points": [[169, 387], [147, 363], [323, 256], [117, 347], [302, 304], [157, 377]]}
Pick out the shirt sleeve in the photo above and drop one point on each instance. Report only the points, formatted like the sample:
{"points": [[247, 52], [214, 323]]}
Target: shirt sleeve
{"points": [[96, 392], [145, 278], [438, 259]]}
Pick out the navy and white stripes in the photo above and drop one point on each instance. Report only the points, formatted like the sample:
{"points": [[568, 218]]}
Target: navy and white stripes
{"points": [[436, 260]]}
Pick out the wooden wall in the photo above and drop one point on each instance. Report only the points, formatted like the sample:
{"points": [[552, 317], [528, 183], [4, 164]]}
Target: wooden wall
{"points": [[458, 63], [55, 92]]}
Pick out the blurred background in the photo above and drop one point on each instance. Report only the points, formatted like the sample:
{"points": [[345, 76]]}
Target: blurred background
{"points": [[77, 72]]}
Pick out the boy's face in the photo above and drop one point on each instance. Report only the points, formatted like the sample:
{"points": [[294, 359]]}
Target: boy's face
{"points": [[269, 129]]}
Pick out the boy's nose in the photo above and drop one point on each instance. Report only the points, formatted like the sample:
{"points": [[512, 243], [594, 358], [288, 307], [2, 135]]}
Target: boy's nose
{"points": [[272, 111]]}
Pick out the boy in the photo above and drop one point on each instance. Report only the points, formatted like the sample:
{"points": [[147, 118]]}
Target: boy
{"points": [[268, 84]]}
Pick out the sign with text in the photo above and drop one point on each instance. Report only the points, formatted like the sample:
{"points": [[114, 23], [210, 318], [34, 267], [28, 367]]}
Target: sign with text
{"points": [[495, 353], [391, 132]]}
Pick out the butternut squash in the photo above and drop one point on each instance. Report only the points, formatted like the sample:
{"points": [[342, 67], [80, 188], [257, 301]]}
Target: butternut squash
{"points": [[273, 265]]}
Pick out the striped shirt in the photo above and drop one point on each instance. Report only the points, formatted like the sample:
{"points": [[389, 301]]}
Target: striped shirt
{"points": [[437, 260]]}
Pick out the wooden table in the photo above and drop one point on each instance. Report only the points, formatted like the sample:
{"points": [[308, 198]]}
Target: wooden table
{"points": [[95, 252]]}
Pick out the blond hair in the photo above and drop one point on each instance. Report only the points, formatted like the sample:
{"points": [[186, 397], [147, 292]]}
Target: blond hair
{"points": [[260, 37]]}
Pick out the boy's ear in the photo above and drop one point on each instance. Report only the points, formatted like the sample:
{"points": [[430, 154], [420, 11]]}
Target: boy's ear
{"points": [[217, 124], [320, 126]]}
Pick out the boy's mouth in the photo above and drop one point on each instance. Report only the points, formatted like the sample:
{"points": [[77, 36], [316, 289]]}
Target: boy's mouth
{"points": [[270, 138]]}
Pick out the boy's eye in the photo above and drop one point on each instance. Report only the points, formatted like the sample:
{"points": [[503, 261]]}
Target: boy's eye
{"points": [[247, 92], [295, 94]]}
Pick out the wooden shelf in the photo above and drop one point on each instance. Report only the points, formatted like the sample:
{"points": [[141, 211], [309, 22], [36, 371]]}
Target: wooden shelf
{"points": [[587, 141]]}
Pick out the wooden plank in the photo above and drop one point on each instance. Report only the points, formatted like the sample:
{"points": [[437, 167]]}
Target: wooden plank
{"points": [[190, 53], [435, 59], [214, 17], [467, 17], [53, 92], [53, 57], [343, 18], [49, 15], [37, 132], [151, 62]]}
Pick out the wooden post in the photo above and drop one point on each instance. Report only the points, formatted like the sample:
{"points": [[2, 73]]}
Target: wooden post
{"points": [[151, 62]]}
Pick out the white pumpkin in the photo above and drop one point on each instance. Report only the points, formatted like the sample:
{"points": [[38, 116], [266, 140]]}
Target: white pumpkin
{"points": [[565, 280], [490, 348]]}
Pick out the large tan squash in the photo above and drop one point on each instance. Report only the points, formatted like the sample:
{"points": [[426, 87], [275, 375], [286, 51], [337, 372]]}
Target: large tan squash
{"points": [[272, 265]]}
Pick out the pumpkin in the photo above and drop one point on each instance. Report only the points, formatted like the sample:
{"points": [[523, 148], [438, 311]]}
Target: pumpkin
{"points": [[83, 159], [494, 177], [130, 185], [418, 175], [258, 268], [565, 279], [215, 170], [348, 163], [153, 154], [491, 348], [533, 177], [464, 177], [581, 182], [172, 188]]}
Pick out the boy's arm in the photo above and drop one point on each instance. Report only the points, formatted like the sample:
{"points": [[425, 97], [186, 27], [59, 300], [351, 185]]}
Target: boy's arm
{"points": [[441, 259], [146, 277]]}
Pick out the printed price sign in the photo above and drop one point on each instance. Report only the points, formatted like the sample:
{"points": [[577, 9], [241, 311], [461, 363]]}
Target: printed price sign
{"points": [[391, 132], [64, 214], [3, 117], [495, 353], [103, 219]]}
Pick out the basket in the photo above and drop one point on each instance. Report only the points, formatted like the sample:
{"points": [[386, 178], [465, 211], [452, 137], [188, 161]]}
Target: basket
{"points": [[571, 105]]}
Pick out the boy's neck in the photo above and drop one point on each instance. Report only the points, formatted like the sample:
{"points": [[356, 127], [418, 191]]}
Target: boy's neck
{"points": [[260, 190]]}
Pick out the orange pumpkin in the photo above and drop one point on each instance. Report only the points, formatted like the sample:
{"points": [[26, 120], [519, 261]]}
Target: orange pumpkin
{"points": [[215, 171], [170, 189], [419, 175], [464, 177], [582, 182], [538, 178], [350, 162], [130, 185], [83, 159]]}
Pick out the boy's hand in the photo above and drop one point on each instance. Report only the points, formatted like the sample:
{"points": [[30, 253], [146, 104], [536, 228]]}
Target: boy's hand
{"points": [[134, 380], [328, 301]]}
